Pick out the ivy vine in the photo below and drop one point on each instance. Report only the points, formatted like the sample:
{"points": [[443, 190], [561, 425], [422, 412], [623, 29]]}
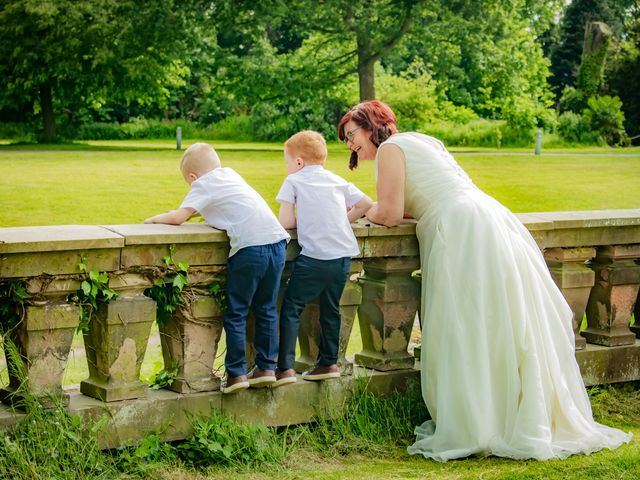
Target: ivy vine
{"points": [[13, 295], [94, 290], [218, 291], [168, 289]]}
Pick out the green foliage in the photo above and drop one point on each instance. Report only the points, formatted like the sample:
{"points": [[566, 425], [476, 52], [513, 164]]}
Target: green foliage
{"points": [[371, 423], [94, 290], [168, 289], [13, 294], [575, 128], [221, 441], [572, 100], [593, 59], [137, 128], [164, 378], [623, 75], [218, 291], [49, 443], [606, 118]]}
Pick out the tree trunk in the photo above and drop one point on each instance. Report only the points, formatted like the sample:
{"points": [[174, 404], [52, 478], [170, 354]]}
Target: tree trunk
{"points": [[366, 73], [46, 105]]}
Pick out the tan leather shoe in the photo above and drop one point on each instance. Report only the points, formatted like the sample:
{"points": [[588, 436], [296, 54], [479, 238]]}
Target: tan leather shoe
{"points": [[322, 372], [234, 384], [285, 377], [259, 378]]}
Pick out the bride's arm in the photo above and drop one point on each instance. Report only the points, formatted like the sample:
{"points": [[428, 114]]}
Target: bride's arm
{"points": [[389, 210]]}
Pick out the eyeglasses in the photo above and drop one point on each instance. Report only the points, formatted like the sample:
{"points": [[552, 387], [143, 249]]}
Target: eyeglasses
{"points": [[348, 136]]}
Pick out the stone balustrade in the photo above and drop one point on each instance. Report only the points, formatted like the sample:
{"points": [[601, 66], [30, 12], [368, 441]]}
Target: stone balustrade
{"points": [[593, 256]]}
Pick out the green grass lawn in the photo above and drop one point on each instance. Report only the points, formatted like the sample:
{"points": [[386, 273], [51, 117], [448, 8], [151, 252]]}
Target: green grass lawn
{"points": [[125, 182], [125, 186]]}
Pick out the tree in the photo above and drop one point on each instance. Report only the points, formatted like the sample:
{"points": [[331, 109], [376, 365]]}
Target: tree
{"points": [[56, 55], [566, 54], [371, 29]]}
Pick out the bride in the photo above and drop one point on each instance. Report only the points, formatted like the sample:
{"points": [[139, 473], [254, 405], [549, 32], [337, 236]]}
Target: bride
{"points": [[498, 371]]}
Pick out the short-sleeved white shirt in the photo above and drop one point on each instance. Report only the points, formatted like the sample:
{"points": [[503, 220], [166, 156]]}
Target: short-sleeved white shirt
{"points": [[229, 203], [321, 199]]}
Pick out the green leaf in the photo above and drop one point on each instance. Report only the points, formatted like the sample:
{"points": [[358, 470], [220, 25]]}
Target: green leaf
{"points": [[86, 287]]}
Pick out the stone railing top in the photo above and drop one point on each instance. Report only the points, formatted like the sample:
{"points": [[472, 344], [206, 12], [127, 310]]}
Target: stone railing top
{"points": [[15, 240], [57, 238], [164, 234], [580, 219]]}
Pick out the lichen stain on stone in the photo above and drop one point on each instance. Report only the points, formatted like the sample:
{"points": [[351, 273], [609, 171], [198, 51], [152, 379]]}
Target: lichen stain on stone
{"points": [[396, 341], [124, 367]]}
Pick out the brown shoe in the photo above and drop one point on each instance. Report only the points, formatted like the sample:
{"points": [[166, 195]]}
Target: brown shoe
{"points": [[234, 384], [259, 378], [285, 377], [322, 372]]}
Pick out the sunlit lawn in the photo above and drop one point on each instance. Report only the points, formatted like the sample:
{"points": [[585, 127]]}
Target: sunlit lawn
{"points": [[125, 186], [115, 187]]}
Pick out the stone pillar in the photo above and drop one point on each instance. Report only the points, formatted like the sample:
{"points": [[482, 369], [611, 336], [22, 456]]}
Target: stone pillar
{"points": [[117, 340], [575, 280], [390, 299], [43, 341], [613, 297], [190, 342], [309, 333]]}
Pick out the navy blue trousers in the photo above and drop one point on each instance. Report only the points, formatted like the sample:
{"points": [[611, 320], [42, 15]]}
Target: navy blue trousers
{"points": [[253, 281], [310, 279]]}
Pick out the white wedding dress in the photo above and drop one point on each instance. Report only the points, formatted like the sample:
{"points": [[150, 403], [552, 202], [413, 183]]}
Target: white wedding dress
{"points": [[498, 371]]}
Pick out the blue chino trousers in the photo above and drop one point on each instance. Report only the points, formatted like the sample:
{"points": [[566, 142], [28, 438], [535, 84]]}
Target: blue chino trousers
{"points": [[310, 279], [253, 281]]}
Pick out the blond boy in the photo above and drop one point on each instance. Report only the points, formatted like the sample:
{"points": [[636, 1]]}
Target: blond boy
{"points": [[322, 206], [256, 259]]}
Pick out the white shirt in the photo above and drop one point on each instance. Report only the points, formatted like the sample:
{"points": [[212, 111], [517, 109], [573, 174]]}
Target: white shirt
{"points": [[229, 203], [321, 199]]}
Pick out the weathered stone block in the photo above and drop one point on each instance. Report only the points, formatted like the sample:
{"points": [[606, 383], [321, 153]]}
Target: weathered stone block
{"points": [[190, 341], [43, 341], [115, 345], [613, 297]]}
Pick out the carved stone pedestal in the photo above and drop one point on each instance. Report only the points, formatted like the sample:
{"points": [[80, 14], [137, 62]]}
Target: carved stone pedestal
{"points": [[613, 296], [43, 341], [574, 279], [390, 299], [190, 342], [115, 344]]}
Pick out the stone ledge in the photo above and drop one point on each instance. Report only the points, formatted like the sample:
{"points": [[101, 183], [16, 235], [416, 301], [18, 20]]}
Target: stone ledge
{"points": [[57, 238]]}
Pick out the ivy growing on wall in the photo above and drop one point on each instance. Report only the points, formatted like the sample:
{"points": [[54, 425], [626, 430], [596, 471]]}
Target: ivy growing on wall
{"points": [[94, 290], [13, 295]]}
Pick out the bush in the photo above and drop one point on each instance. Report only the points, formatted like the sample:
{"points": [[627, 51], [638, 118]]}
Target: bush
{"points": [[572, 100], [606, 119], [575, 128], [138, 128]]}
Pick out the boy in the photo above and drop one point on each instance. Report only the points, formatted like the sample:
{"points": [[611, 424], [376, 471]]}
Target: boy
{"points": [[322, 206], [256, 259]]}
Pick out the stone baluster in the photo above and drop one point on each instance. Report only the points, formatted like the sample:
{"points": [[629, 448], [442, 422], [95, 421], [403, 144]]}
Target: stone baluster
{"points": [[309, 333], [613, 296], [575, 280], [390, 300], [42, 340], [116, 341]]}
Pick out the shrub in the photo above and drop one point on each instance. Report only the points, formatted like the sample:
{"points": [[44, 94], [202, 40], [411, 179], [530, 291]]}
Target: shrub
{"points": [[572, 100], [605, 117], [575, 128]]}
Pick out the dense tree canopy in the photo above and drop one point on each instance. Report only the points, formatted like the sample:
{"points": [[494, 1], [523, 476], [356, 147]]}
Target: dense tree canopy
{"points": [[282, 65]]}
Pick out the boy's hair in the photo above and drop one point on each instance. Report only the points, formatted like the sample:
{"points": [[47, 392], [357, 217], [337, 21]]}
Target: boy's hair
{"points": [[308, 145], [199, 158]]}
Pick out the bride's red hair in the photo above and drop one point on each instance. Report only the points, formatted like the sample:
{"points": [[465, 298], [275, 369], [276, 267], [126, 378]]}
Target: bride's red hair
{"points": [[371, 115]]}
